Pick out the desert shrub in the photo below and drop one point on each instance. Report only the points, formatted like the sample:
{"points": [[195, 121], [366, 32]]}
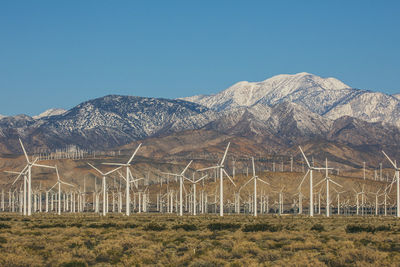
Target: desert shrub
{"points": [[318, 227], [357, 228], [154, 227], [130, 225], [79, 225], [5, 219], [74, 263], [89, 244], [3, 240], [4, 226], [382, 228], [261, 227], [223, 226], [102, 225], [185, 226], [55, 225]]}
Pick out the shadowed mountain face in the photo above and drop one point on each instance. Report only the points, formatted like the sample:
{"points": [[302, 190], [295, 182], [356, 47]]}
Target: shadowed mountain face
{"points": [[273, 116]]}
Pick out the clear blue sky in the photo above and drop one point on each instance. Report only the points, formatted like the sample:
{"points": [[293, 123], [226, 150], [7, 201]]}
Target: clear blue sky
{"points": [[61, 53]]}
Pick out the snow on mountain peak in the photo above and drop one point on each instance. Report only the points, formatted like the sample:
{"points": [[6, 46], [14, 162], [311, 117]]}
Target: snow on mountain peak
{"points": [[272, 90], [49, 113]]}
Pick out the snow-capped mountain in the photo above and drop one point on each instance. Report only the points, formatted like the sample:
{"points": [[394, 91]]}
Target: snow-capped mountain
{"points": [[278, 113], [271, 91], [327, 97], [107, 122], [49, 113], [2, 116], [397, 96]]}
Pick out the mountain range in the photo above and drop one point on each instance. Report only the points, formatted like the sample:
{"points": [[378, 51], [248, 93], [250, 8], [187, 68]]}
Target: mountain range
{"points": [[276, 115]]}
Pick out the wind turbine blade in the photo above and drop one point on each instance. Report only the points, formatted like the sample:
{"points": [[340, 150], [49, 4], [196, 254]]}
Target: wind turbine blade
{"points": [[43, 166], [23, 148], [114, 164], [11, 172], [186, 167], [304, 156], [67, 184], [168, 173], [394, 165], [303, 179], [52, 187], [254, 168], [265, 182], [320, 182], [229, 177], [120, 174], [209, 168], [96, 169], [205, 176], [226, 152], [133, 181], [335, 183], [107, 173], [188, 179], [134, 153], [58, 176], [19, 175]]}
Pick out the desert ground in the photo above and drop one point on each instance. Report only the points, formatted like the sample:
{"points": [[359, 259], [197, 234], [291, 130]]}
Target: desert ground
{"points": [[204, 240]]}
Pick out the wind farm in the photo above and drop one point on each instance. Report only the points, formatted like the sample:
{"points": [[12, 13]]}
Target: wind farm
{"points": [[199, 133], [247, 196]]}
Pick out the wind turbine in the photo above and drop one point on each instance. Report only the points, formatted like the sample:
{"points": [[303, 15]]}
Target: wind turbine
{"points": [[221, 169], [194, 190], [104, 184], [310, 170], [180, 186], [328, 180], [24, 172], [128, 177], [255, 178], [29, 167], [59, 182], [376, 201], [397, 184]]}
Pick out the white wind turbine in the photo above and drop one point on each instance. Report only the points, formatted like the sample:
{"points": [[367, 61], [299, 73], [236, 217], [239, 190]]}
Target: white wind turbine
{"points": [[255, 178], [181, 175], [397, 184], [29, 168], [24, 172], [328, 180], [104, 184], [221, 169], [59, 182], [310, 170], [128, 177], [194, 190]]}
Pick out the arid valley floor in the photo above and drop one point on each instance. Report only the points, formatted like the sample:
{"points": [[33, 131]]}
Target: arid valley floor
{"points": [[168, 240]]}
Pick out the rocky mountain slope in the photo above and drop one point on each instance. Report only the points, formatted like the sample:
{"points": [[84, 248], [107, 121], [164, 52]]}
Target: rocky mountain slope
{"points": [[273, 116], [49, 113], [327, 97]]}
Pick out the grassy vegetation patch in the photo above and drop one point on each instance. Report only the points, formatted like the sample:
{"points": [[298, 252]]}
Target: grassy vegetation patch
{"points": [[261, 227], [4, 226], [318, 227], [185, 226], [223, 226], [154, 227], [74, 263], [170, 240], [358, 228]]}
